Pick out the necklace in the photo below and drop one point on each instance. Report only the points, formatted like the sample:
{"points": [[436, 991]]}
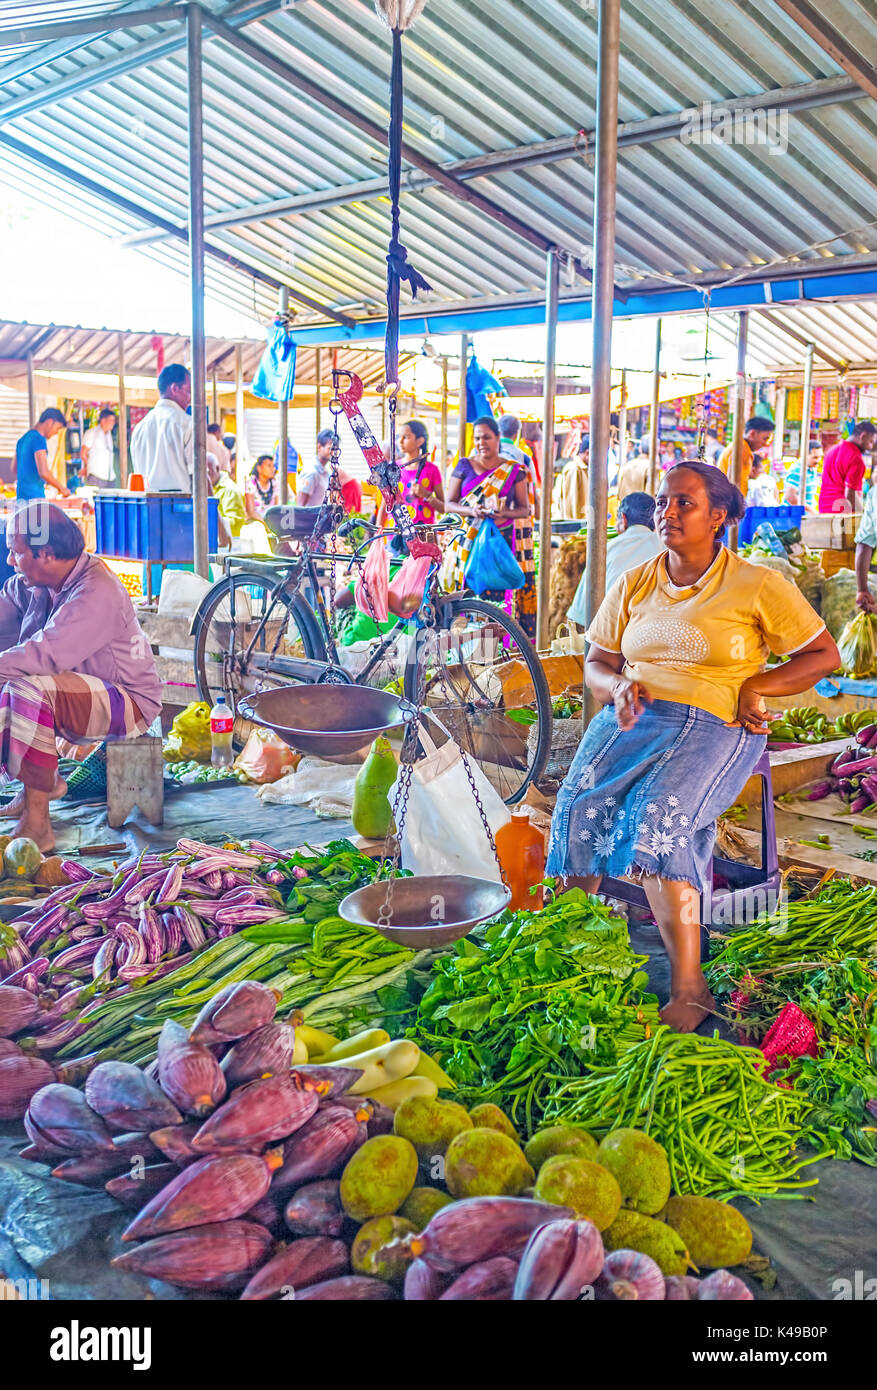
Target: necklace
{"points": [[265, 493]]}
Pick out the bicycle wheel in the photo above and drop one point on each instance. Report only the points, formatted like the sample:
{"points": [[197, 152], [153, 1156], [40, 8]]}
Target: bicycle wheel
{"points": [[494, 699], [225, 627]]}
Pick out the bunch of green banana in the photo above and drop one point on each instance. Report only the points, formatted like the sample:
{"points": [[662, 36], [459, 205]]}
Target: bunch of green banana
{"points": [[807, 724]]}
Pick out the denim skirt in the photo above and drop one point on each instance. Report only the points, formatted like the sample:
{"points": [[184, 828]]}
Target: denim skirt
{"points": [[645, 801]]}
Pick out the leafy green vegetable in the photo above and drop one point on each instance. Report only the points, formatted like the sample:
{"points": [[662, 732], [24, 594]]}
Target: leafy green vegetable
{"points": [[537, 998]]}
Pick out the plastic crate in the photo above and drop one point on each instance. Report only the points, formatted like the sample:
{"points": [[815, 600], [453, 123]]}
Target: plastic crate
{"points": [[781, 518], [155, 527]]}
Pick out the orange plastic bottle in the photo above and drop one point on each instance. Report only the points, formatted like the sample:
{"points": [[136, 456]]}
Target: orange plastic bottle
{"points": [[521, 850]]}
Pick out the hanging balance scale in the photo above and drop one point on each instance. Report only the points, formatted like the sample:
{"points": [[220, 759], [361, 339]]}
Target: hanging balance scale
{"points": [[333, 719]]}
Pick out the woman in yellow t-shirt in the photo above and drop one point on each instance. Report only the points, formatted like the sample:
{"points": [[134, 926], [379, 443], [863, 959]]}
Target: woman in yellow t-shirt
{"points": [[677, 656]]}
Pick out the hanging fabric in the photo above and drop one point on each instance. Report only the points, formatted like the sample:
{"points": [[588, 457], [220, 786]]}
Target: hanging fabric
{"points": [[275, 374]]}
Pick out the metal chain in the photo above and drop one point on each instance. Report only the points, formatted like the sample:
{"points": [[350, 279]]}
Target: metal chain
{"points": [[390, 860], [467, 764], [334, 499]]}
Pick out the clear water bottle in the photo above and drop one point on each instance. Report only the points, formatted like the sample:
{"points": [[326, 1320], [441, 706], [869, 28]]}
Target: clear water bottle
{"points": [[221, 726]]}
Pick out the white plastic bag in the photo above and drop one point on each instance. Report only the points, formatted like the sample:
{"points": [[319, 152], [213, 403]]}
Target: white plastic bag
{"points": [[443, 833]]}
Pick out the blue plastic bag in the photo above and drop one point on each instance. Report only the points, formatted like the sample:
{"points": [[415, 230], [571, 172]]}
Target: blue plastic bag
{"points": [[491, 563], [275, 374]]}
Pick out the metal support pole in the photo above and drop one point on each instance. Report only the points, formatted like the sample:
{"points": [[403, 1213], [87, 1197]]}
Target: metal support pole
{"points": [[779, 425], [465, 342], [318, 392], [201, 548], [123, 416], [602, 297], [444, 425], [552, 294], [654, 416], [622, 423], [31, 392], [240, 430], [806, 417], [735, 472], [283, 421]]}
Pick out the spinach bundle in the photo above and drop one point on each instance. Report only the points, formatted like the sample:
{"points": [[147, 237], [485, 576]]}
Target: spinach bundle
{"points": [[541, 997]]}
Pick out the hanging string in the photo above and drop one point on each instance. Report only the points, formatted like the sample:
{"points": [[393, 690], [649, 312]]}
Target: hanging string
{"points": [[702, 413], [399, 15]]}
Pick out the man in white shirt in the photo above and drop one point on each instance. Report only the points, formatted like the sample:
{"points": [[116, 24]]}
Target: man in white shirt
{"points": [[98, 461], [762, 490], [636, 542], [509, 427], [313, 481], [162, 443]]}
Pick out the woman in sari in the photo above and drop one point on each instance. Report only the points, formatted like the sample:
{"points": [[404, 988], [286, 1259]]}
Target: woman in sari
{"points": [[677, 659], [490, 485]]}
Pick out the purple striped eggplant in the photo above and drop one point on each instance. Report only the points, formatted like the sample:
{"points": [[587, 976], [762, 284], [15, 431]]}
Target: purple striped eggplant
{"points": [[173, 933], [255, 1115], [306, 1262], [61, 1115], [132, 943], [235, 1011], [103, 960], [59, 1037], [561, 1258], [76, 872], [82, 953], [229, 858], [188, 1072], [220, 1187], [267, 1051], [45, 926], [244, 916], [18, 1007], [150, 932], [169, 889], [84, 931], [220, 1257], [190, 926], [144, 888], [320, 1148], [128, 1099]]}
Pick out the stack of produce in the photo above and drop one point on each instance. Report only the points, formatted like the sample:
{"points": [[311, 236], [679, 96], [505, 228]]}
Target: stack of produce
{"points": [[188, 773], [853, 774], [243, 1145], [807, 724], [330, 969], [26, 874], [543, 996], [727, 1131], [820, 957]]}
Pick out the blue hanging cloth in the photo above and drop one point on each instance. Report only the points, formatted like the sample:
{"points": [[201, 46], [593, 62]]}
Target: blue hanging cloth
{"points": [[479, 382], [275, 374]]}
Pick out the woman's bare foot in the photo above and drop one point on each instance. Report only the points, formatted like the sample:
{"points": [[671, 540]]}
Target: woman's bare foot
{"points": [[688, 1008], [38, 829], [16, 807]]}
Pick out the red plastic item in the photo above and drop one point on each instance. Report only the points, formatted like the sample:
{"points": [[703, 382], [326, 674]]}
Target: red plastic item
{"points": [[136, 482], [521, 850], [790, 1035]]}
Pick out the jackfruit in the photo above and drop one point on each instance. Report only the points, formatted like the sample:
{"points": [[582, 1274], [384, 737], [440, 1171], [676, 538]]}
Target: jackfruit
{"points": [[430, 1124], [560, 1139], [632, 1231], [640, 1168], [378, 1177], [717, 1236], [378, 1248], [421, 1205], [485, 1163], [372, 814], [590, 1190], [487, 1116]]}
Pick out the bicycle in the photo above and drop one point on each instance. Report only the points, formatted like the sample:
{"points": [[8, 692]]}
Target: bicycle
{"points": [[485, 685]]}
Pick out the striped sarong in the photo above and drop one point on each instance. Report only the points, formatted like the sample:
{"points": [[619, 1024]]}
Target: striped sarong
{"points": [[34, 710]]}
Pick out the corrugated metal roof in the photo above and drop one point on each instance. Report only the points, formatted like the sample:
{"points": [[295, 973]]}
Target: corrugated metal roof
{"points": [[96, 350], [481, 77]]}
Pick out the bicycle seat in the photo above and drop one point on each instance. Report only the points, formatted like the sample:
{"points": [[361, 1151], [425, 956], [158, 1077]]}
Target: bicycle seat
{"points": [[297, 523]]}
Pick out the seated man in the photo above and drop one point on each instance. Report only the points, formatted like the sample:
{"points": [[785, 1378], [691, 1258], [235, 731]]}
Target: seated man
{"points": [[73, 660]]}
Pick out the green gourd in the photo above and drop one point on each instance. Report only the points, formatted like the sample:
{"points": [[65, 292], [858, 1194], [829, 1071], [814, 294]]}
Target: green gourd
{"points": [[372, 813]]}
